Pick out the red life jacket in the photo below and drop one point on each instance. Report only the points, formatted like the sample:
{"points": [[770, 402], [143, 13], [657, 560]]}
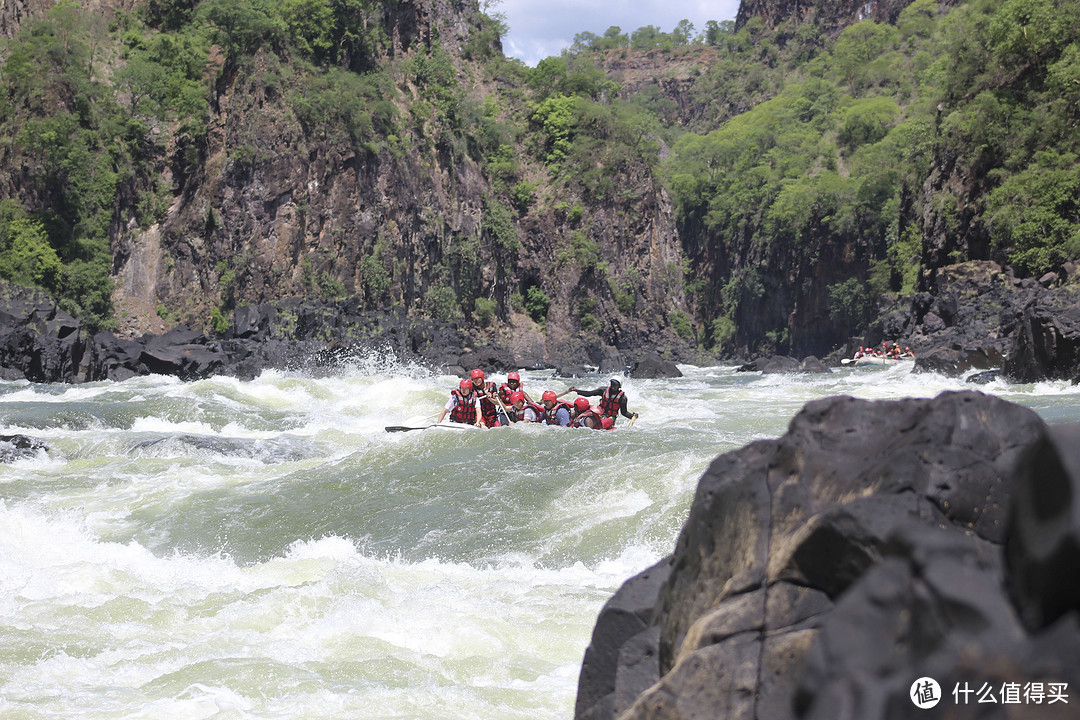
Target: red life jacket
{"points": [[465, 409], [520, 414], [505, 391], [609, 404], [578, 421], [549, 416], [488, 409]]}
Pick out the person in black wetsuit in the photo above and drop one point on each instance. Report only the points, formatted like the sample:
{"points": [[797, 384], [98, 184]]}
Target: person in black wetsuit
{"points": [[612, 400]]}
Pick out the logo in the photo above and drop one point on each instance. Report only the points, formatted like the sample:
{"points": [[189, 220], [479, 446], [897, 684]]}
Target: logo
{"points": [[925, 693]]}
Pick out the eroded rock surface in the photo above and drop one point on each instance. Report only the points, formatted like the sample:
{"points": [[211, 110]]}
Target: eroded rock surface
{"points": [[820, 574]]}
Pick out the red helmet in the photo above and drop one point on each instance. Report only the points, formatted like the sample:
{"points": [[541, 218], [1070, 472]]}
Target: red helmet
{"points": [[477, 374], [465, 384], [513, 376], [607, 422], [582, 404], [549, 395], [517, 396]]}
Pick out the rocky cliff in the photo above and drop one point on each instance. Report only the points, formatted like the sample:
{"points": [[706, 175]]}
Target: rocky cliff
{"points": [[831, 16], [300, 214], [416, 175], [821, 575], [378, 185]]}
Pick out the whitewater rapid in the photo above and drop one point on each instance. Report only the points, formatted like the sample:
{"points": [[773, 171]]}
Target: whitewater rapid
{"points": [[264, 549]]}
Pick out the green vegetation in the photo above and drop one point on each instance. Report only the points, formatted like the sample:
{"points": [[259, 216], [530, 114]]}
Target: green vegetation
{"points": [[441, 303], [844, 140], [484, 309], [800, 164], [536, 303]]}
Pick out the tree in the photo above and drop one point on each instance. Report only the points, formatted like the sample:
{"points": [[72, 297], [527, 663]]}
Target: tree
{"points": [[716, 33], [244, 25], [585, 42], [646, 38], [311, 27], [683, 33], [856, 49], [613, 38], [26, 257]]}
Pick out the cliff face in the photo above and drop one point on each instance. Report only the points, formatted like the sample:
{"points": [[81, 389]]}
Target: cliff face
{"points": [[275, 210], [831, 16], [13, 12]]}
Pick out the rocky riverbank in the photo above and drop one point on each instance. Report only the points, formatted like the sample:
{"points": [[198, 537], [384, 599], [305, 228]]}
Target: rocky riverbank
{"points": [[978, 316], [975, 317], [42, 343], [822, 574]]}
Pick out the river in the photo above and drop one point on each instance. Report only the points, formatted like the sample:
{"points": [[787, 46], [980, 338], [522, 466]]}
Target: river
{"points": [[264, 549]]}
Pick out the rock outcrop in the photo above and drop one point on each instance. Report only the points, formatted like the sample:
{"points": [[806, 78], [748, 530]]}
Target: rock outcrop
{"points": [[977, 316], [821, 574], [41, 343]]}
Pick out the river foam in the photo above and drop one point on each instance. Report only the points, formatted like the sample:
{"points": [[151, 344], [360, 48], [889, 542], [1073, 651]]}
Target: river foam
{"points": [[264, 549]]}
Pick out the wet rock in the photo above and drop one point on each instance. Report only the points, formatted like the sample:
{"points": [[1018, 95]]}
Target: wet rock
{"points": [[956, 361], [778, 365], [1044, 542], [38, 341], [1047, 342], [819, 574], [20, 447], [651, 365], [626, 615], [811, 365], [116, 359], [984, 377]]}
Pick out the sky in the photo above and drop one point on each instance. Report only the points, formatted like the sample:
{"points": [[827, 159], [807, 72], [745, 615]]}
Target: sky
{"points": [[542, 28]]}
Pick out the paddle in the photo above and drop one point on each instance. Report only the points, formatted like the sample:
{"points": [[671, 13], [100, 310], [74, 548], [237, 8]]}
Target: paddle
{"points": [[505, 409], [406, 428]]}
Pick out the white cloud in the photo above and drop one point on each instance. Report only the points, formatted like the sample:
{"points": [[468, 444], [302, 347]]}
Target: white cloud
{"points": [[542, 28]]}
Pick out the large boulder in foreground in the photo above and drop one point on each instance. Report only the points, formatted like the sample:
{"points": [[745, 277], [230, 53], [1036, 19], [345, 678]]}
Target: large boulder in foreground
{"points": [[821, 574]]}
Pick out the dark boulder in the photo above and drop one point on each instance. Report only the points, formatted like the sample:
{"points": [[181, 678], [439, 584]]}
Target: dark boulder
{"points": [[20, 447], [778, 365], [38, 341], [1044, 542], [983, 378], [956, 361], [608, 663], [183, 353], [1047, 343], [783, 365], [651, 365], [250, 322], [813, 366], [116, 358], [187, 362], [818, 575]]}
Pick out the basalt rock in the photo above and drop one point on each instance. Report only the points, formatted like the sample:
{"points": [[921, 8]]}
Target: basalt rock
{"points": [[821, 574], [20, 447], [38, 341], [651, 365], [41, 343], [977, 316], [1047, 344], [783, 365], [955, 361]]}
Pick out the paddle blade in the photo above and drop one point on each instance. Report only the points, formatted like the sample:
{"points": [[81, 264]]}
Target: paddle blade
{"points": [[405, 428]]}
